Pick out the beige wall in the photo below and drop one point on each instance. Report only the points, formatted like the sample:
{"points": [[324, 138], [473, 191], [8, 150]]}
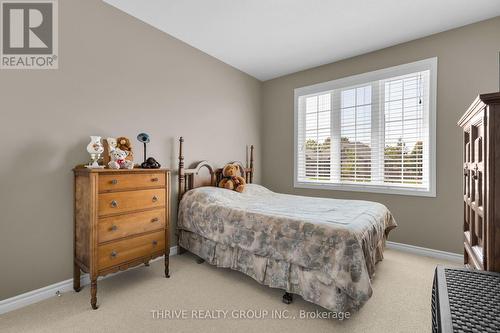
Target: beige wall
{"points": [[117, 76], [467, 65]]}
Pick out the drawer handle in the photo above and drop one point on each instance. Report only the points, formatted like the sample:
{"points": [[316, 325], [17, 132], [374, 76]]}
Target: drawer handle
{"points": [[114, 203], [155, 242], [155, 220], [114, 228], [154, 179], [113, 254], [155, 198], [114, 181]]}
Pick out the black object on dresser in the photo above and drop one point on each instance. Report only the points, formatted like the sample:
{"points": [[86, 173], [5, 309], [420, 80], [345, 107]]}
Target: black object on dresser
{"points": [[465, 300]]}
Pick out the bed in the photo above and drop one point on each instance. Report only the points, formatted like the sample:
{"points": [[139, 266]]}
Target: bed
{"points": [[324, 250]]}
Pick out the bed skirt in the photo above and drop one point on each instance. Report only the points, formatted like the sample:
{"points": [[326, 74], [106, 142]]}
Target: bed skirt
{"points": [[313, 285]]}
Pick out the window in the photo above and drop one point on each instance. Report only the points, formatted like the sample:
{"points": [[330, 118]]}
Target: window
{"points": [[371, 132]]}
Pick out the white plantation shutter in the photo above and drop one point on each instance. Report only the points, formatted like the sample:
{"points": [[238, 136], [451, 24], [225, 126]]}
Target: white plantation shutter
{"points": [[405, 129], [371, 132], [355, 134], [315, 137]]}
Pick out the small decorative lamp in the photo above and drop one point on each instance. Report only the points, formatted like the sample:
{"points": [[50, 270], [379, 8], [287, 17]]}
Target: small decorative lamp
{"points": [[95, 149], [149, 163], [144, 138]]}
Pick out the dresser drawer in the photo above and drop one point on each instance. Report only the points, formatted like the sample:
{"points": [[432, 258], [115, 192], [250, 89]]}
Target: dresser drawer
{"points": [[120, 182], [115, 227], [121, 251], [119, 202]]}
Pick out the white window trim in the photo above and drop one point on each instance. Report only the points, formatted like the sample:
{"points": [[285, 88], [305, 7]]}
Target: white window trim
{"points": [[417, 66]]}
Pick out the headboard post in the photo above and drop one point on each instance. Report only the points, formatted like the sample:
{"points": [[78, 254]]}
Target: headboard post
{"points": [[182, 188], [251, 164]]}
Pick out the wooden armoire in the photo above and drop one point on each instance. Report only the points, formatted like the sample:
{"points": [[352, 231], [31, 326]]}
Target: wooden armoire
{"points": [[481, 182]]}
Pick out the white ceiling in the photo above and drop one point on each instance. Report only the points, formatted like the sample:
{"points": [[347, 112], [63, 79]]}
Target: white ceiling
{"points": [[271, 38]]}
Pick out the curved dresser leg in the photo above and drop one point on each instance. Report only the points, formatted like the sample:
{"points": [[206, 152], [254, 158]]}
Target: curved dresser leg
{"points": [[167, 264], [93, 293], [76, 277]]}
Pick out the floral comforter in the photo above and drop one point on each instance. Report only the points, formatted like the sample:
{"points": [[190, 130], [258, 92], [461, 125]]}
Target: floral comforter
{"points": [[323, 249]]}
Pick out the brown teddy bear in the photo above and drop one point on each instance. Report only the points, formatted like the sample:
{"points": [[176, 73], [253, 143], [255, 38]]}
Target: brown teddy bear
{"points": [[124, 144], [231, 180]]}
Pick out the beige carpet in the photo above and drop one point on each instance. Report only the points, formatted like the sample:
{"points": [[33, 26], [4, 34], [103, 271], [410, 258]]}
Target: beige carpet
{"points": [[400, 302]]}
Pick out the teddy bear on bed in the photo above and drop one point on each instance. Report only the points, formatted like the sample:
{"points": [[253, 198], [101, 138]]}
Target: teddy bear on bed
{"points": [[119, 160], [230, 179]]}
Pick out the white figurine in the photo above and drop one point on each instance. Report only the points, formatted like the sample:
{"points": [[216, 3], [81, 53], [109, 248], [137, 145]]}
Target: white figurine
{"points": [[111, 144]]}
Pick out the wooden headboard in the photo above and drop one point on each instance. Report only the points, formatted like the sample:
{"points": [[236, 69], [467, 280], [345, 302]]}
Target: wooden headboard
{"points": [[204, 174]]}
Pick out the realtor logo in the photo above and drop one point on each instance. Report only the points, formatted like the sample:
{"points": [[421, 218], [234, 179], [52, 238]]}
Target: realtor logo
{"points": [[29, 35]]}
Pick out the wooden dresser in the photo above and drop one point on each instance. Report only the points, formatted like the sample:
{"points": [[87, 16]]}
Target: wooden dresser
{"points": [[481, 183], [121, 220]]}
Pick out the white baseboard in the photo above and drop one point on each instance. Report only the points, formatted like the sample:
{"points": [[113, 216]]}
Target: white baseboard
{"points": [[422, 251], [52, 290]]}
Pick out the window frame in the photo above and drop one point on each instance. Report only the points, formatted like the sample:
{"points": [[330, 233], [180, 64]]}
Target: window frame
{"points": [[429, 64]]}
